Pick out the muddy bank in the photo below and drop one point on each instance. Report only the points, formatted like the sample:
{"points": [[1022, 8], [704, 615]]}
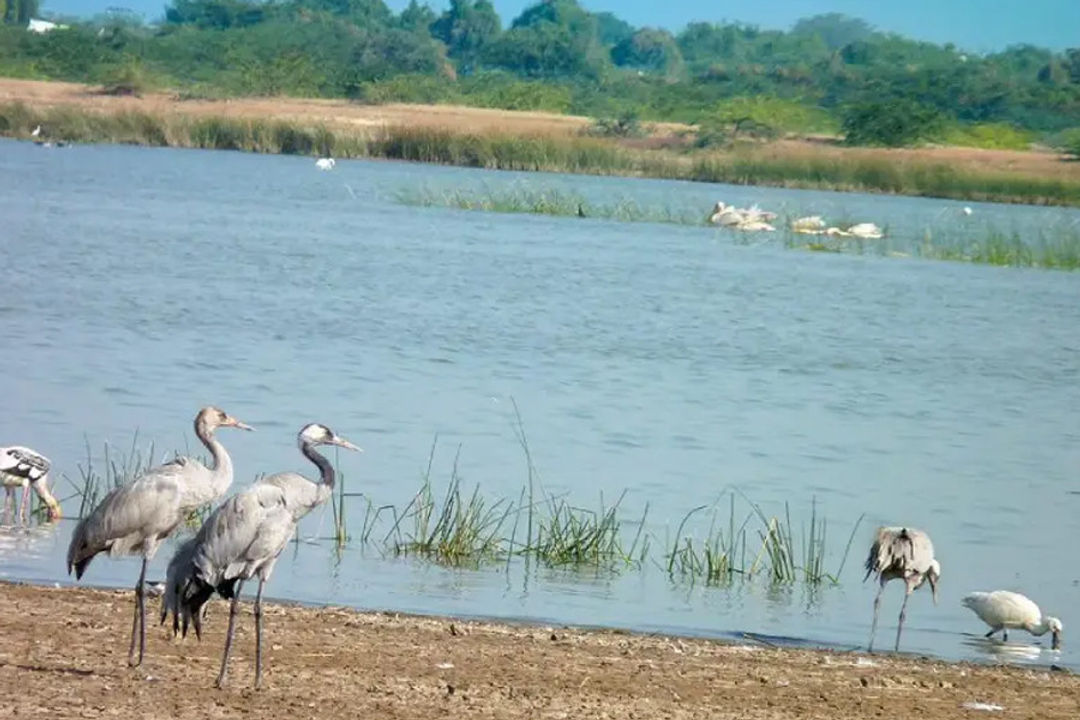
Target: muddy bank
{"points": [[63, 655]]}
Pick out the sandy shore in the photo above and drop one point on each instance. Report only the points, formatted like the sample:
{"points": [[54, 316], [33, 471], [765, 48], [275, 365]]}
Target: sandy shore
{"points": [[63, 655]]}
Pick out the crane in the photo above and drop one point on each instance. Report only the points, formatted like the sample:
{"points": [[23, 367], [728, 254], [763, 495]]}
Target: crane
{"points": [[134, 519], [242, 539], [904, 553]]}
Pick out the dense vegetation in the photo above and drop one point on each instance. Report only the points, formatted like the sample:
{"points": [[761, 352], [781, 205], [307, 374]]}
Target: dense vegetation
{"points": [[829, 73]]}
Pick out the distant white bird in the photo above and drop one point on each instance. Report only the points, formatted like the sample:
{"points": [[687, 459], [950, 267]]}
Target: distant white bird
{"points": [[1002, 610], [866, 230], [904, 553], [36, 131], [752, 218], [326, 163], [135, 518], [243, 538], [25, 468], [754, 226], [809, 225], [725, 215], [966, 210]]}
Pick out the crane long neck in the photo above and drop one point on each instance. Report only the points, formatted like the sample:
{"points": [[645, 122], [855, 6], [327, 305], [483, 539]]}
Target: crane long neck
{"points": [[222, 470], [326, 470]]}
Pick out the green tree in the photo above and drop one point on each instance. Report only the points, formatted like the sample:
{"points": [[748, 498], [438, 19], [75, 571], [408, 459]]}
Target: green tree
{"points": [[467, 29], [551, 38], [836, 29], [652, 50], [218, 14], [611, 30], [416, 17], [895, 123]]}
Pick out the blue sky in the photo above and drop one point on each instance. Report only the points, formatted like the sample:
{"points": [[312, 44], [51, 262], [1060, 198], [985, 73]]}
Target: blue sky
{"points": [[979, 25]]}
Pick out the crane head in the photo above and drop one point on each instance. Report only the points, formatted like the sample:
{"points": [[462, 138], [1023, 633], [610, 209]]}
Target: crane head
{"points": [[210, 418], [316, 434], [934, 576]]}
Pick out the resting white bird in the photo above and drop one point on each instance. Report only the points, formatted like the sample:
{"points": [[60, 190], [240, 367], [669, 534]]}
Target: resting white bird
{"points": [[36, 131], [809, 225], [25, 468], [326, 163], [904, 553], [1002, 610], [866, 230]]}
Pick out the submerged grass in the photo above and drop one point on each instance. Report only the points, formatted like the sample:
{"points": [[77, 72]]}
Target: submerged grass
{"points": [[463, 528], [571, 154]]}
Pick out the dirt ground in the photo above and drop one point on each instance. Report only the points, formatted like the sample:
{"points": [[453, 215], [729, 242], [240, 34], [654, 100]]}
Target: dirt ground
{"points": [[63, 654], [353, 116]]}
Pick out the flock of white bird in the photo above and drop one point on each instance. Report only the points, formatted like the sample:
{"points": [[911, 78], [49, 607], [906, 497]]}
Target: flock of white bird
{"points": [[244, 536], [754, 219]]}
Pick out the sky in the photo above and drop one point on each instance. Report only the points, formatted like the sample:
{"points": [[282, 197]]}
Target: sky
{"points": [[974, 25]]}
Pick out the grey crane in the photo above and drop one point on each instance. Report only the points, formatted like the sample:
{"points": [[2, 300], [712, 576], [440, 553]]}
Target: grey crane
{"points": [[26, 468], [242, 539], [905, 553], [135, 518]]}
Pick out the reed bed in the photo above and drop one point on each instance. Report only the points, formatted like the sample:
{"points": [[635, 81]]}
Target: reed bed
{"points": [[461, 527], [757, 165], [549, 201]]}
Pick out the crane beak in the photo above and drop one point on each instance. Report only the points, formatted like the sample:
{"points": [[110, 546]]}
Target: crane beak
{"points": [[1055, 641], [342, 442], [233, 422], [53, 511]]}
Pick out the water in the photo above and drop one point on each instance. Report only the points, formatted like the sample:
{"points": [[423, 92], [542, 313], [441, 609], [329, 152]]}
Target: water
{"points": [[667, 361]]}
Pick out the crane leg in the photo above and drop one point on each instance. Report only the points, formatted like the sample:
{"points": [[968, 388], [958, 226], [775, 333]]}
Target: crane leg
{"points": [[229, 635], [9, 502], [258, 634], [877, 607], [1004, 635], [903, 614], [138, 624]]}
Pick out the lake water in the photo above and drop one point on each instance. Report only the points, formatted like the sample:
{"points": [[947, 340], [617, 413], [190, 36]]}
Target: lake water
{"points": [[675, 363]]}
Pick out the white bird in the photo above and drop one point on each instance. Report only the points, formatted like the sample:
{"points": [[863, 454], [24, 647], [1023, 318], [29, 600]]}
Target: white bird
{"points": [[1002, 610], [36, 131], [866, 230], [904, 553], [754, 226], [242, 539], [725, 215], [135, 518], [326, 163], [809, 225], [25, 468], [966, 210]]}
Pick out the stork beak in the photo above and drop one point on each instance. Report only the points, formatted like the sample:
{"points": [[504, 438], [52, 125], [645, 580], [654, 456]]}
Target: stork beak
{"points": [[233, 422], [342, 442], [1055, 641]]}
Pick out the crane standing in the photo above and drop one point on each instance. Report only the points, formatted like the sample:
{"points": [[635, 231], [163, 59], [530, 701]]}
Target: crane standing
{"points": [[135, 518], [904, 553], [243, 538]]}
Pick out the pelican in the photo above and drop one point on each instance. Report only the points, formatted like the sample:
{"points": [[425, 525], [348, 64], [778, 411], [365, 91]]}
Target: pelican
{"points": [[326, 163], [904, 553], [25, 468], [809, 225], [754, 226], [242, 539], [1002, 610], [836, 232], [135, 518], [868, 231], [725, 215]]}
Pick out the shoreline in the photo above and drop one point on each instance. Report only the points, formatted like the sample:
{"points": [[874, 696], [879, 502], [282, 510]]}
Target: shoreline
{"points": [[65, 650], [520, 140]]}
